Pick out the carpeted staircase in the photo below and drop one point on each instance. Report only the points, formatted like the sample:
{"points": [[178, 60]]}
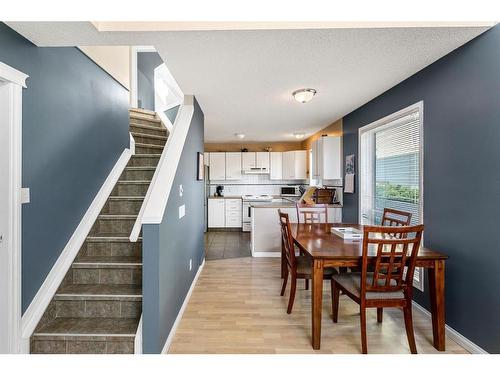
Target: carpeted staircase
{"points": [[98, 305]]}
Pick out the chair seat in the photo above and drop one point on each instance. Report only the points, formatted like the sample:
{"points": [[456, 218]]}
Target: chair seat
{"points": [[304, 266], [352, 283]]}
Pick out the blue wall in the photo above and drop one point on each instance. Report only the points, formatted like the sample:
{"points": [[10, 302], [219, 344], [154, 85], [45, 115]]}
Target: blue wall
{"points": [[146, 64], [168, 247], [461, 176], [75, 126]]}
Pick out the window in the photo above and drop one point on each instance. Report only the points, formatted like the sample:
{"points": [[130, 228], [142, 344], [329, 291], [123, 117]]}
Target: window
{"points": [[391, 168]]}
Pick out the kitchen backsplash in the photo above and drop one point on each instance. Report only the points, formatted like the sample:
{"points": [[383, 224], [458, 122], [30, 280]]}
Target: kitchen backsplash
{"points": [[254, 184]]}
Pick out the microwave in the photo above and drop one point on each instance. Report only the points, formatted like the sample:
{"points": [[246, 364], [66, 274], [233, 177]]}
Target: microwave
{"points": [[290, 191]]}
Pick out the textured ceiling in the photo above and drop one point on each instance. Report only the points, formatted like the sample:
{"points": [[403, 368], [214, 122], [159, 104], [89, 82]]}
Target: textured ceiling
{"points": [[243, 80]]}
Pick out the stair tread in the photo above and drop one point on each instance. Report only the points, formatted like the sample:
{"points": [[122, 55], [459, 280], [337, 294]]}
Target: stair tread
{"points": [[90, 326], [127, 197], [149, 127], [117, 216], [144, 117], [100, 290], [153, 136], [148, 145], [102, 259], [146, 155], [112, 238], [142, 110], [134, 182], [141, 168]]}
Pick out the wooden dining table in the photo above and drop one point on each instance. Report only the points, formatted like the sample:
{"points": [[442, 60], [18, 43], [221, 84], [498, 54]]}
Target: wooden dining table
{"points": [[329, 250]]}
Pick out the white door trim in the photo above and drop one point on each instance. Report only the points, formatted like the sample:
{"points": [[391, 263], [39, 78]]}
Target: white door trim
{"points": [[15, 81]]}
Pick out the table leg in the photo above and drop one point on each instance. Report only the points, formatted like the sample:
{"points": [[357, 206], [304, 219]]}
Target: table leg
{"points": [[436, 291], [317, 302]]}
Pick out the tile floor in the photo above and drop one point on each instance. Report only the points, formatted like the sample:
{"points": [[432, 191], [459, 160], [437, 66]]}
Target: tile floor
{"points": [[224, 245]]}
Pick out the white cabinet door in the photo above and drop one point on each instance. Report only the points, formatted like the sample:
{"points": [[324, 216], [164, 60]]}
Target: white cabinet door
{"points": [[331, 163], [289, 165], [233, 165], [262, 160], [217, 165], [247, 160], [233, 213], [314, 160], [276, 166], [300, 165], [216, 213]]}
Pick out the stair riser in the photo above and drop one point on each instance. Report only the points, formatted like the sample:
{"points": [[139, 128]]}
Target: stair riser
{"points": [[146, 121], [156, 131], [147, 150], [137, 161], [131, 190], [126, 249], [118, 227], [113, 276], [141, 175], [80, 308], [149, 141], [122, 207], [82, 345]]}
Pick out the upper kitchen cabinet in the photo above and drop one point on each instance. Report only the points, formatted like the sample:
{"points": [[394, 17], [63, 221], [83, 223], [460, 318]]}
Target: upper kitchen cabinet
{"points": [[276, 165], [327, 159], [233, 165], [294, 165], [262, 160], [217, 165], [248, 160]]}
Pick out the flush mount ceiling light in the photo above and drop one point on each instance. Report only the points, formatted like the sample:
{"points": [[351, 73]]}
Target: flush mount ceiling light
{"points": [[304, 95], [239, 135], [299, 135]]}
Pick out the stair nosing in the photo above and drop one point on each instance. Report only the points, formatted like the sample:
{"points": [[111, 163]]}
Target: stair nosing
{"points": [[133, 182], [126, 197], [147, 145], [148, 155], [62, 334], [150, 127], [110, 239], [97, 296], [141, 168], [117, 216]]}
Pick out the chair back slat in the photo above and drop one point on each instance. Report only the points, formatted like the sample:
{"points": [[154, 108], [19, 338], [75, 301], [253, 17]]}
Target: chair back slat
{"points": [[312, 213], [287, 239], [396, 250]]}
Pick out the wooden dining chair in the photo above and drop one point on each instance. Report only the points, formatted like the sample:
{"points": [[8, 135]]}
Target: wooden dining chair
{"points": [[297, 266], [388, 285], [312, 213], [392, 217]]}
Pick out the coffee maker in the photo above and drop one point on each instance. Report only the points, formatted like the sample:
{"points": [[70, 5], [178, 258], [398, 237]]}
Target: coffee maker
{"points": [[219, 191]]}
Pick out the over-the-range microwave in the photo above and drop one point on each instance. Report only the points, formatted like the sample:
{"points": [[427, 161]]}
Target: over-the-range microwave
{"points": [[290, 191]]}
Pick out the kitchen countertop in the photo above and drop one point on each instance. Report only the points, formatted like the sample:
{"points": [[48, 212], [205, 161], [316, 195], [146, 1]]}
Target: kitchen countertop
{"points": [[283, 203], [225, 197]]}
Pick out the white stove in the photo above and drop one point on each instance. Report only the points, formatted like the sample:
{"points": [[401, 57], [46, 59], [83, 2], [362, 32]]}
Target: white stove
{"points": [[247, 209]]}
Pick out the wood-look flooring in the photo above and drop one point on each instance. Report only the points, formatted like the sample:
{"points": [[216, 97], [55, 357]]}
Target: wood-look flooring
{"points": [[236, 308]]}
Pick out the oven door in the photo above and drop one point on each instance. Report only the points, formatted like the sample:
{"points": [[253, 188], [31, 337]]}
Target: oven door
{"points": [[247, 217]]}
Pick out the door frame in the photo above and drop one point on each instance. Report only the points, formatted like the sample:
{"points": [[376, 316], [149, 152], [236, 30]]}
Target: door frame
{"points": [[13, 82]]}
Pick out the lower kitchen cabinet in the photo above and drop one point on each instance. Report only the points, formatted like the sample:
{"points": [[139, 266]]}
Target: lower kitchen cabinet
{"points": [[216, 213], [233, 213]]}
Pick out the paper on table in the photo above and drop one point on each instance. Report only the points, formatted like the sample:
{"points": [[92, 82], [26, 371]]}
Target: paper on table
{"points": [[349, 183]]}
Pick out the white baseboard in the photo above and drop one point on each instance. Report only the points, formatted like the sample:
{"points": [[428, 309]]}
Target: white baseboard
{"points": [[454, 335], [39, 304], [181, 311], [263, 254], [138, 338]]}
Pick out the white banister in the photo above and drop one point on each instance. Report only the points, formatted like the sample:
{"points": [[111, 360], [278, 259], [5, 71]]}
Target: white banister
{"points": [[158, 192]]}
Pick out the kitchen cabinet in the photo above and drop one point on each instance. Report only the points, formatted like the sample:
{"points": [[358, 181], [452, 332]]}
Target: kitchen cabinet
{"points": [[216, 213], [248, 160], [233, 165], [262, 160], [233, 213], [327, 159], [217, 166], [294, 165], [206, 159], [276, 166]]}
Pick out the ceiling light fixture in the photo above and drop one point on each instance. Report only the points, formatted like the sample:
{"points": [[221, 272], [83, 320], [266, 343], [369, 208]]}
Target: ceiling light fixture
{"points": [[299, 135], [239, 135], [304, 95]]}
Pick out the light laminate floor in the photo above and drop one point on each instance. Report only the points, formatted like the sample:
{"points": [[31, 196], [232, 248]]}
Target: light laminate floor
{"points": [[236, 308]]}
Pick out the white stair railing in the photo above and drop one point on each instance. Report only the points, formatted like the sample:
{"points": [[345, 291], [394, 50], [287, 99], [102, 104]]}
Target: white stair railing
{"points": [[156, 199]]}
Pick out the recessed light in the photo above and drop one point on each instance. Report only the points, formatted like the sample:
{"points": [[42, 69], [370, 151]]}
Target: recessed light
{"points": [[304, 95], [299, 135], [239, 135]]}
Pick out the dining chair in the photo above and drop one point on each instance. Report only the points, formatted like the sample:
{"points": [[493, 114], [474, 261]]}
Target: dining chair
{"points": [[297, 266], [392, 217], [312, 213], [391, 282]]}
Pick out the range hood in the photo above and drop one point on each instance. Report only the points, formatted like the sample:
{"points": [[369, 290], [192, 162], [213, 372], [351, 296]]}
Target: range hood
{"points": [[256, 170]]}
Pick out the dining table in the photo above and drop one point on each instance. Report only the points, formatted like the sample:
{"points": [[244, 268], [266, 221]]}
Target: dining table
{"points": [[330, 250]]}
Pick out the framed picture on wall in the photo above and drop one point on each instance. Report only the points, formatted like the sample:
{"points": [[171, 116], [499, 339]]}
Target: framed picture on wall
{"points": [[201, 166]]}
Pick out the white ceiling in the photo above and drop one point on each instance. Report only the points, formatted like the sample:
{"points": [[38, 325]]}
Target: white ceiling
{"points": [[243, 79]]}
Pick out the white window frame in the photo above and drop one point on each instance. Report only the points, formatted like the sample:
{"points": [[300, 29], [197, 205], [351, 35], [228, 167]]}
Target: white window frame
{"points": [[418, 281]]}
